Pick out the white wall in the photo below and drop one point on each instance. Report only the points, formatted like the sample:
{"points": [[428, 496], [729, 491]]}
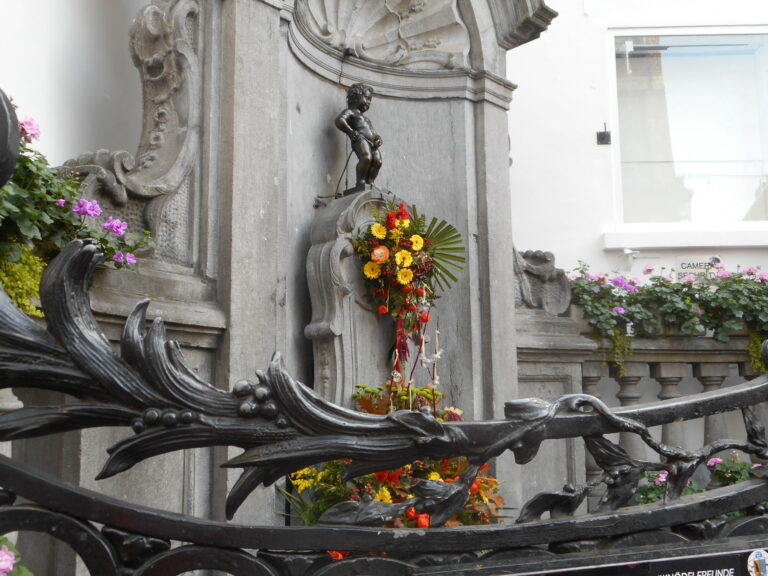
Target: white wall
{"points": [[67, 65], [563, 184]]}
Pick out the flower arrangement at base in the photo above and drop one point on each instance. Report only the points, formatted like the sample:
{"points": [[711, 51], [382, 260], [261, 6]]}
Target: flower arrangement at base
{"points": [[41, 211], [318, 488], [722, 301]]}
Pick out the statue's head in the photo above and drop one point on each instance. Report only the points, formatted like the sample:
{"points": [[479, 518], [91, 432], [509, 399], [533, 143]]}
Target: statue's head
{"points": [[359, 96]]}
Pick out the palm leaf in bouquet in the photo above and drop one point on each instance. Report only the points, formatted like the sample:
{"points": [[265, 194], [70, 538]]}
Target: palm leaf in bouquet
{"points": [[447, 250]]}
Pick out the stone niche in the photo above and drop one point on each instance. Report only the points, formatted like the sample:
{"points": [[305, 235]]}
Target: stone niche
{"points": [[350, 342]]}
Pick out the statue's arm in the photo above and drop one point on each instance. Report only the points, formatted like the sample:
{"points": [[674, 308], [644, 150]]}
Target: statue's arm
{"points": [[342, 123]]}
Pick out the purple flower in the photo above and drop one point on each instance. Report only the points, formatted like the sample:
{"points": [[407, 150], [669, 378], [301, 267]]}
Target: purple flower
{"points": [[723, 274], [29, 129], [689, 279], [750, 270], [130, 258], [661, 478], [712, 462], [118, 257], [619, 282], [631, 288], [7, 560], [649, 268], [60, 202], [619, 310], [87, 208], [118, 227]]}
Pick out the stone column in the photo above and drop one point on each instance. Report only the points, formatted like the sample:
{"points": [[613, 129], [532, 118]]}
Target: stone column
{"points": [[669, 375], [252, 201], [711, 376], [629, 395]]}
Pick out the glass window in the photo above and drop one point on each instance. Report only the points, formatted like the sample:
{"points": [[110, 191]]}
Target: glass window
{"points": [[693, 119]]}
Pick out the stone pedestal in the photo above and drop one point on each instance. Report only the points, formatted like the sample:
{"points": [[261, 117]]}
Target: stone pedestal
{"points": [[350, 341]]}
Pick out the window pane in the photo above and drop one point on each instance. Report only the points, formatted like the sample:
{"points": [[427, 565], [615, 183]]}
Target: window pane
{"points": [[693, 116]]}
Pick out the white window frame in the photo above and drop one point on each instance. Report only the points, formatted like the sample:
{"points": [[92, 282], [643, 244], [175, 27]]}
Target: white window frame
{"points": [[661, 235]]}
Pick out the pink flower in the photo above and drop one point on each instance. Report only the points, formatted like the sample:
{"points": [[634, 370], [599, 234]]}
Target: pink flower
{"points": [[723, 274], [118, 257], [758, 465], [60, 202], [762, 277], [130, 258], [87, 208], [118, 227], [661, 478], [619, 310], [649, 268], [29, 129], [7, 560], [718, 265], [712, 462], [750, 270], [689, 279]]}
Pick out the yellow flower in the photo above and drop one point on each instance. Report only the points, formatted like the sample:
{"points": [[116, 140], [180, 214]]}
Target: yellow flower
{"points": [[403, 224], [417, 242], [403, 258], [379, 231], [405, 276], [383, 495], [435, 476], [372, 270], [395, 235]]}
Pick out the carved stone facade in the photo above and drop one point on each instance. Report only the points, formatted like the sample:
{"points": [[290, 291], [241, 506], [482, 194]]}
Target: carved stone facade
{"points": [[164, 45], [237, 141]]}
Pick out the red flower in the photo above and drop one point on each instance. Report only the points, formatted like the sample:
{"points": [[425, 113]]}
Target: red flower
{"points": [[381, 476], [407, 289], [475, 487], [420, 292], [337, 554], [391, 221], [425, 317], [394, 475], [402, 213], [411, 514], [422, 521], [383, 309]]}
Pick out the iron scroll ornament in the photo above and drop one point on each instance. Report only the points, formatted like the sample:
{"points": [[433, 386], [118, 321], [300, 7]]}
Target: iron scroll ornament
{"points": [[282, 425]]}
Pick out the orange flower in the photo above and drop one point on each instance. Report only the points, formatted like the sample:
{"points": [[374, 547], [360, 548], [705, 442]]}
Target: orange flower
{"points": [[337, 554], [380, 254], [422, 521]]}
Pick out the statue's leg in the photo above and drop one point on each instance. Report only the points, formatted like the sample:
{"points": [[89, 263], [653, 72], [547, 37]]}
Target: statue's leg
{"points": [[374, 167], [364, 158]]}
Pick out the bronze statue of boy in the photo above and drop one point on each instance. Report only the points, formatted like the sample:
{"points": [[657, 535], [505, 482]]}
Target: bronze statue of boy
{"points": [[365, 141]]}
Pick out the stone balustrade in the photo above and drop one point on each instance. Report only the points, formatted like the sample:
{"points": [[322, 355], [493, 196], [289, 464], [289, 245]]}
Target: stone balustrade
{"points": [[556, 357]]}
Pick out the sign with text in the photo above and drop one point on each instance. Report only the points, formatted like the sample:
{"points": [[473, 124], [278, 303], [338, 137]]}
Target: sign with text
{"points": [[700, 266], [742, 563]]}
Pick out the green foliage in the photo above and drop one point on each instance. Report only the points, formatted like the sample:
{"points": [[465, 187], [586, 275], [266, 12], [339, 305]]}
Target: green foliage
{"points": [[617, 308], [37, 221], [653, 487], [29, 215]]}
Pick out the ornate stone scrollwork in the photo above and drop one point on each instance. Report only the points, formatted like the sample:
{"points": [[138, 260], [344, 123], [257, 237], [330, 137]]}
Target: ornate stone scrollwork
{"points": [[414, 34], [163, 43]]}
